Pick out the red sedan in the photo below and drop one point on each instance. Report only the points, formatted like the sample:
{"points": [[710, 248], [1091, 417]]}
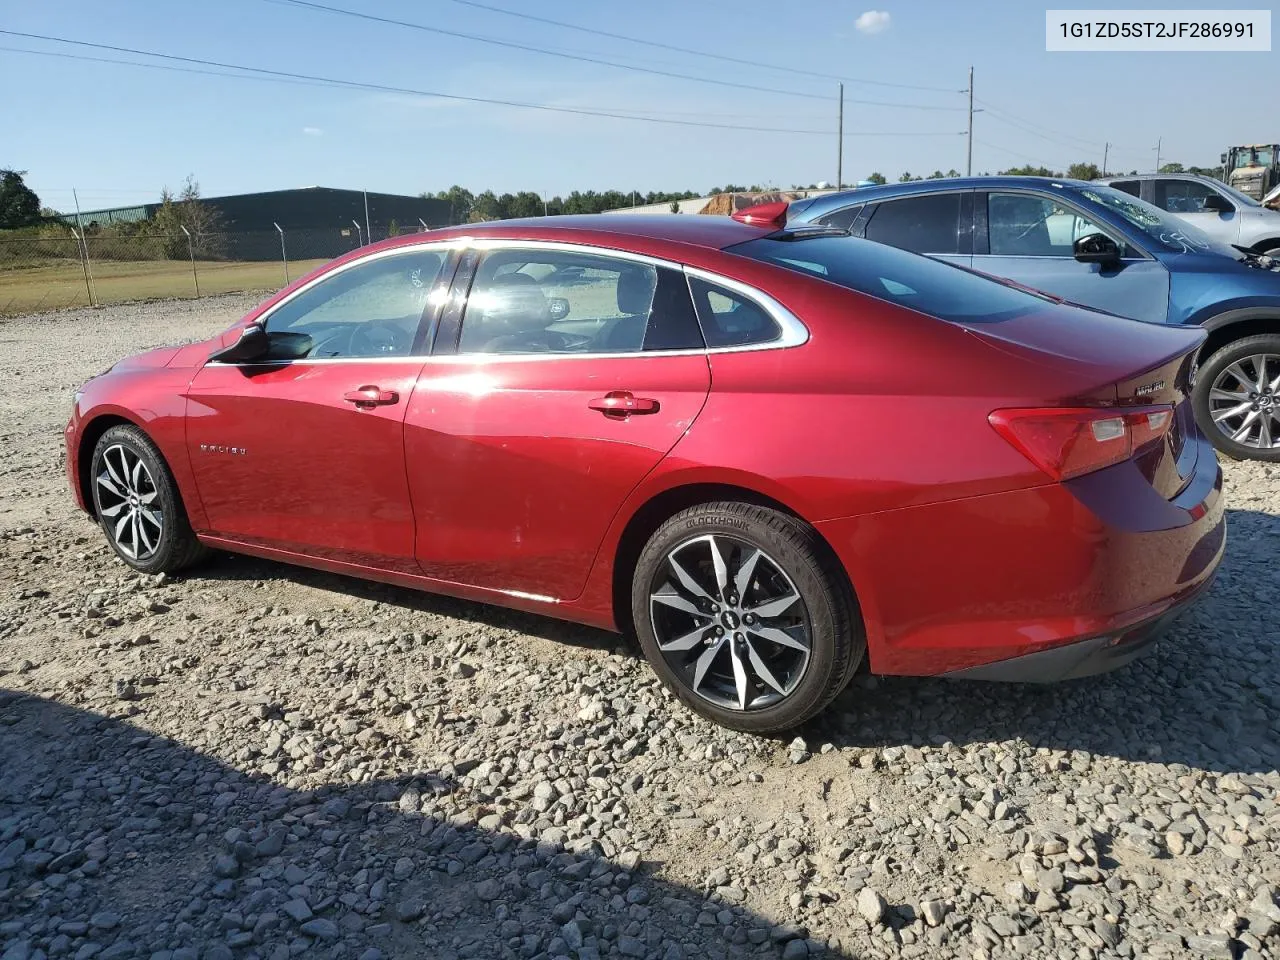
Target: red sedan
{"points": [[774, 454]]}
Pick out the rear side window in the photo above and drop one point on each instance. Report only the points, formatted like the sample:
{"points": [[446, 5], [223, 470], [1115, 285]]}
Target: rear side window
{"points": [[928, 224], [729, 318], [842, 218], [920, 283], [1131, 187]]}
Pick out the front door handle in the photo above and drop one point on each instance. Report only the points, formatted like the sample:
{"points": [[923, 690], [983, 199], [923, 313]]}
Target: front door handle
{"points": [[621, 403], [368, 397]]}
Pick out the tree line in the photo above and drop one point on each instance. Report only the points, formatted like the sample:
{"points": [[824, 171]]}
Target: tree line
{"points": [[20, 206]]}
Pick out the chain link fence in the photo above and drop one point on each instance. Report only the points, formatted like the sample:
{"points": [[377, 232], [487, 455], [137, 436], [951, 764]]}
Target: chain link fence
{"points": [[60, 267]]}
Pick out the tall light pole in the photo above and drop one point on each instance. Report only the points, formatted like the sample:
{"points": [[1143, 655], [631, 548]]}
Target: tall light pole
{"points": [[840, 143], [1106, 149], [968, 167], [1159, 144]]}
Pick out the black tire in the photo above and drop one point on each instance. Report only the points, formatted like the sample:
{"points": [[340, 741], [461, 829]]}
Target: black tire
{"points": [[792, 552], [1208, 374], [144, 545]]}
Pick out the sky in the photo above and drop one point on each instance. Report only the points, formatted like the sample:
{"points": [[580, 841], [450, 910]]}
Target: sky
{"points": [[118, 134]]}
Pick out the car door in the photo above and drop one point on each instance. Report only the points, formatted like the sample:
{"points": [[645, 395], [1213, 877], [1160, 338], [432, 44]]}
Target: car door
{"points": [[304, 450], [1028, 236], [1185, 198], [936, 224], [565, 378]]}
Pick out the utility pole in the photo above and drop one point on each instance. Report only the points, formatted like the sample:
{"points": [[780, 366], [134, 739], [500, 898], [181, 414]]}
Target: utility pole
{"points": [[1159, 144], [367, 232], [968, 167], [1105, 150], [840, 143]]}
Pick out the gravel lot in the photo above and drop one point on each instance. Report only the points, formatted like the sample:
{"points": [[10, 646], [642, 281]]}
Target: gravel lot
{"points": [[258, 761]]}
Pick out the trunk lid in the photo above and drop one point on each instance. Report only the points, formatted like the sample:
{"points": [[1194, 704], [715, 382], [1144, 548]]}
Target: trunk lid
{"points": [[1092, 358]]}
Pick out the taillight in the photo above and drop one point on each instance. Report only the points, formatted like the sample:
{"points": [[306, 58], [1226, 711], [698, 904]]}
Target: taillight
{"points": [[1069, 442]]}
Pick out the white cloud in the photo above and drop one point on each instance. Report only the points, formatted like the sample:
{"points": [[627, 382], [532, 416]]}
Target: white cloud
{"points": [[312, 131], [873, 21]]}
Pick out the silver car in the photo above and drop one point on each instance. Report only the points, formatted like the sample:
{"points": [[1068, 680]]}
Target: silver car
{"points": [[1215, 208]]}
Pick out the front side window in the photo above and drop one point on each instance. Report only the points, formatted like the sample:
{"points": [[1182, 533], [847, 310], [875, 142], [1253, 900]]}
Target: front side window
{"points": [[928, 224], [1029, 225], [526, 301], [371, 309], [1182, 196]]}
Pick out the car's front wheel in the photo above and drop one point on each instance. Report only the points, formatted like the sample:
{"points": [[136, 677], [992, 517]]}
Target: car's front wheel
{"points": [[138, 505], [741, 614], [1237, 398]]}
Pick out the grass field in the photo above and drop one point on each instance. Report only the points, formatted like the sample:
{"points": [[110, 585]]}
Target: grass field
{"points": [[62, 284]]}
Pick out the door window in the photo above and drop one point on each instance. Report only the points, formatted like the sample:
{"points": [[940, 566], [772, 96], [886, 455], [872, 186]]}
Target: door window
{"points": [[371, 309], [1131, 187], [1026, 225], [527, 301], [1182, 196], [927, 224]]}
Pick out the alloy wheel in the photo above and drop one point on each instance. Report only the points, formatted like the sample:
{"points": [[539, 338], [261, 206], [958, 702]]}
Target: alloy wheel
{"points": [[127, 500], [1244, 401], [730, 622]]}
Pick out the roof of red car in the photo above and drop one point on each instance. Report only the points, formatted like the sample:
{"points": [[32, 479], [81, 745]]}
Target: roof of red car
{"points": [[703, 231]]}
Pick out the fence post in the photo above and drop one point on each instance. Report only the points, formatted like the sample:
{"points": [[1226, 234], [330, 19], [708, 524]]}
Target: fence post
{"points": [[284, 257], [191, 251], [84, 264], [359, 233], [425, 228]]}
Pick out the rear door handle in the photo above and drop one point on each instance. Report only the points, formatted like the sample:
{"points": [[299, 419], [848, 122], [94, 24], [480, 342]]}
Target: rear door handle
{"points": [[367, 397], [621, 403]]}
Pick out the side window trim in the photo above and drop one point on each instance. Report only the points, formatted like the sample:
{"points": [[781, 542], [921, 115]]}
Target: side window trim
{"points": [[793, 331], [1110, 231]]}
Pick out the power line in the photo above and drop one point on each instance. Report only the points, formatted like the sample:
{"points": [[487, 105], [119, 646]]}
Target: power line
{"points": [[1030, 126], [509, 44], [283, 76], [1020, 156], [697, 53]]}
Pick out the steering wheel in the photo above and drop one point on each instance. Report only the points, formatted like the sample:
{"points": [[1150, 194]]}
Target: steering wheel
{"points": [[377, 338]]}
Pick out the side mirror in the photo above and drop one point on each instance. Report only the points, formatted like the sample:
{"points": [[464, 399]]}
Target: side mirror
{"points": [[1217, 203], [251, 345], [1096, 248]]}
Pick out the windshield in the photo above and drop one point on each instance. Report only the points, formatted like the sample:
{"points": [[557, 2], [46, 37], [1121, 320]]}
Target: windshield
{"points": [[1168, 231], [907, 279]]}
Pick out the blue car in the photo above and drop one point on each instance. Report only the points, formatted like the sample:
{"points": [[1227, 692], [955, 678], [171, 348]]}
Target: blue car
{"points": [[1100, 247]]}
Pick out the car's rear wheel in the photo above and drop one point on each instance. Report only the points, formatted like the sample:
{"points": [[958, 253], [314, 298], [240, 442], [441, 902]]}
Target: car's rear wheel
{"points": [[138, 505], [741, 614], [1237, 398]]}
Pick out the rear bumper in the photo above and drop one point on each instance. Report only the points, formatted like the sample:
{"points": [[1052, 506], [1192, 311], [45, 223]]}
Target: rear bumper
{"points": [[1080, 575], [1083, 658]]}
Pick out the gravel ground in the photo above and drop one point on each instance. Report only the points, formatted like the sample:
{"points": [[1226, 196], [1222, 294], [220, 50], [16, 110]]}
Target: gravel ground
{"points": [[258, 761]]}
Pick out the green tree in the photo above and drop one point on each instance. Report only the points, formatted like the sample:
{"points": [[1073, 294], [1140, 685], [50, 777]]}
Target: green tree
{"points": [[877, 178], [1029, 171], [1172, 168], [202, 221], [486, 206], [1084, 171], [460, 202], [907, 177], [936, 175], [675, 206], [19, 205]]}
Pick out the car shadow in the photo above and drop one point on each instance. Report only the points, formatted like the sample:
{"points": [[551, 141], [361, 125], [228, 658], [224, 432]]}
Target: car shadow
{"points": [[1205, 697], [115, 836]]}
